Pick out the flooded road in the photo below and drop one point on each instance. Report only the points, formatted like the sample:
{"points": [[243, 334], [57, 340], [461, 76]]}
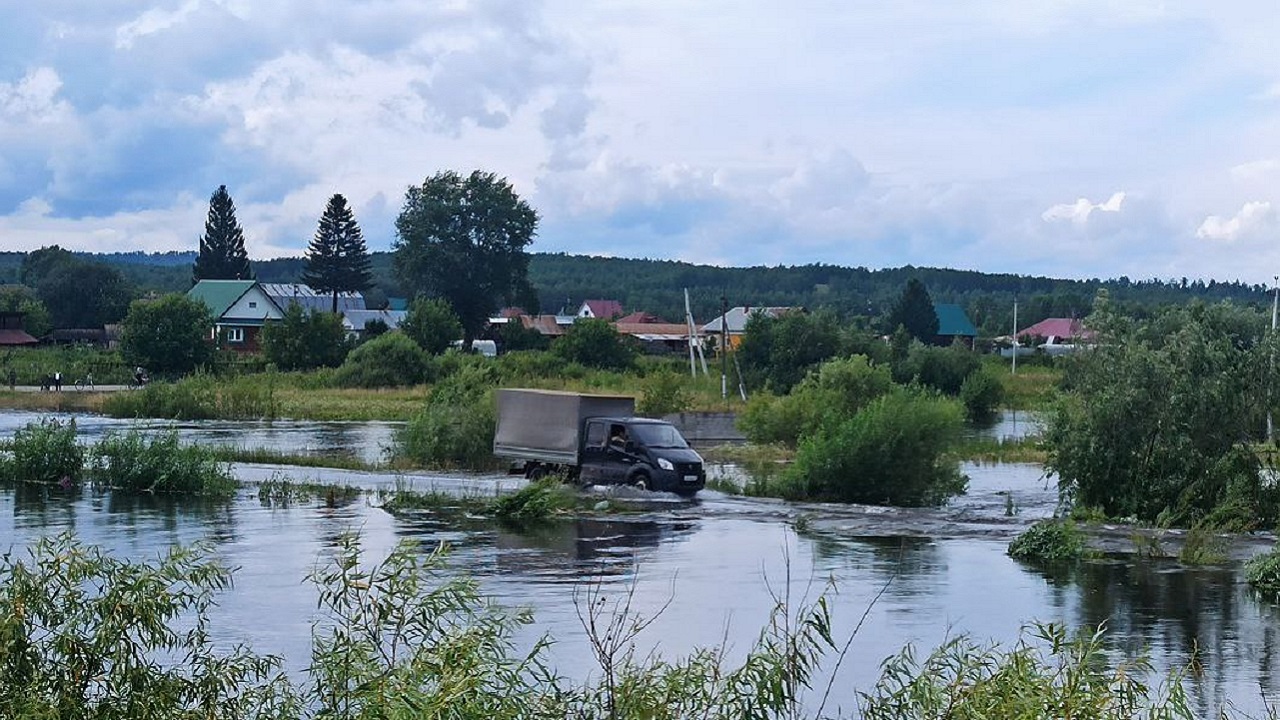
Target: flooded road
{"points": [[943, 571]]}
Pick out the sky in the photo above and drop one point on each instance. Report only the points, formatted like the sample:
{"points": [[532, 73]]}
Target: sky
{"points": [[1068, 138]]}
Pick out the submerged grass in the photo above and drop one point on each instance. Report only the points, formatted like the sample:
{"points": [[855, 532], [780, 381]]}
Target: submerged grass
{"points": [[281, 491], [993, 450], [157, 463], [268, 456]]}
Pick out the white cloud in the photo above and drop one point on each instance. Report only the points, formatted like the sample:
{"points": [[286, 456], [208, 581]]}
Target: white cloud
{"points": [[1079, 211], [153, 21], [1251, 218]]}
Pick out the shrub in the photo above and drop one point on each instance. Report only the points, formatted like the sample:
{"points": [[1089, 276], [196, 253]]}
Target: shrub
{"points": [[455, 428], [45, 452], [836, 391], [157, 463], [664, 393], [169, 335], [305, 339], [1049, 542], [1263, 572], [388, 360], [85, 635], [893, 452], [595, 343], [431, 324], [199, 397], [982, 393], [941, 368]]}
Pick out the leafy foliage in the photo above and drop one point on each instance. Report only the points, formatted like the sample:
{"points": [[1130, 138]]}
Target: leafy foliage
{"points": [[914, 311], [664, 392], [834, 392], [388, 360], [432, 324], [463, 239], [337, 259], [982, 394], [1263, 571], [1049, 542], [942, 368], [304, 339], [222, 255], [1049, 673], [199, 397], [169, 335], [595, 342], [455, 428], [19, 298], [892, 452], [1158, 421], [535, 503], [81, 294], [776, 353], [44, 452]]}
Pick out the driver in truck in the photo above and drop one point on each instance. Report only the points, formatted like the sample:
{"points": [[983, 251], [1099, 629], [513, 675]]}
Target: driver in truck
{"points": [[618, 437]]}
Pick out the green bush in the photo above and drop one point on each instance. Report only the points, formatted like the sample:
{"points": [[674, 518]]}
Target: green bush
{"points": [[664, 393], [834, 392], [157, 463], [431, 324], [893, 452], [1049, 542], [982, 393], [596, 343], [1263, 571], [304, 339], [455, 428], [167, 336], [941, 368], [388, 360], [44, 452]]}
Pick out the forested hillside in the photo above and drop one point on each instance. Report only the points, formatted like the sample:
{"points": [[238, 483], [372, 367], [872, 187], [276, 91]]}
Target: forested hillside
{"points": [[657, 286]]}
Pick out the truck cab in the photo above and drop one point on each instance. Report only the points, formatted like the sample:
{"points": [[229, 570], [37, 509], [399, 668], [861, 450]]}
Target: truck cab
{"points": [[639, 451]]}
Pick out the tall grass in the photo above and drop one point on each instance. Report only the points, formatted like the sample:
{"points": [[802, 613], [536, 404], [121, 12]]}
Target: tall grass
{"points": [[44, 452], [157, 463]]}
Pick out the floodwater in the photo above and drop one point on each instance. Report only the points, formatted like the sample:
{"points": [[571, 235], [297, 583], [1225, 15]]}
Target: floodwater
{"points": [[919, 576]]}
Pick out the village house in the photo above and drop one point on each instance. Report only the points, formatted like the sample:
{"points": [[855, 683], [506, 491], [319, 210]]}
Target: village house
{"points": [[734, 322], [240, 309]]}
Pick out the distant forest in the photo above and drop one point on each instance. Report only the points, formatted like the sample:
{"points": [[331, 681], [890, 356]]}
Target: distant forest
{"points": [[657, 286]]}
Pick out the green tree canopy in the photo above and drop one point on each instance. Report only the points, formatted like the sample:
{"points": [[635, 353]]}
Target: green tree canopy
{"points": [[82, 294], [19, 298], [777, 352], [432, 324], [594, 342], [303, 340], [38, 264], [169, 335], [222, 254], [463, 239], [337, 259], [914, 311]]}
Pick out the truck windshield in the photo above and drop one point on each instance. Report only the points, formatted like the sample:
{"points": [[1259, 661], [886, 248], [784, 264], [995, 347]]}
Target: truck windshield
{"points": [[658, 436]]}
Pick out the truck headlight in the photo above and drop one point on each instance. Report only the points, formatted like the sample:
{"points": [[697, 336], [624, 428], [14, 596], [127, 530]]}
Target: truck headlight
{"points": [[665, 464]]}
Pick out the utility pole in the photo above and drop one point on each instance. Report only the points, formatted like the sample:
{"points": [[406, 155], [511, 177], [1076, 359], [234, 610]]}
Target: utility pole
{"points": [[1275, 305], [1015, 337], [724, 349]]}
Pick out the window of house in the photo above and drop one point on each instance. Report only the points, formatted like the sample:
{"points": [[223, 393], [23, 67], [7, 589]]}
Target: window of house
{"points": [[253, 304], [235, 334]]}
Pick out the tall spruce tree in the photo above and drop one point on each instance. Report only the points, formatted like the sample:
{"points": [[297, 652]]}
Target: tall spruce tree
{"points": [[222, 254], [337, 259], [914, 311]]}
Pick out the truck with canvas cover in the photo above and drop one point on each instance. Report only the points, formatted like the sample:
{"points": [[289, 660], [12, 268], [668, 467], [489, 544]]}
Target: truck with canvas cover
{"points": [[594, 440]]}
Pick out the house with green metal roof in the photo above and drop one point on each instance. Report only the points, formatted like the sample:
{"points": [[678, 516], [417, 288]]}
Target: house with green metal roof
{"points": [[953, 324], [240, 308]]}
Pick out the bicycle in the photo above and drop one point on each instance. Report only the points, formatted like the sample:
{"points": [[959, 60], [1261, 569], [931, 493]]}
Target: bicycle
{"points": [[86, 383], [135, 383]]}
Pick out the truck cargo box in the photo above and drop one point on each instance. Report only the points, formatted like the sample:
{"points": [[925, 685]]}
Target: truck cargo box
{"points": [[543, 425]]}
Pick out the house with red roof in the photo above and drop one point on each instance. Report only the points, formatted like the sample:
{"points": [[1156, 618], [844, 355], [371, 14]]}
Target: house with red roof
{"points": [[11, 331], [600, 309], [1058, 331]]}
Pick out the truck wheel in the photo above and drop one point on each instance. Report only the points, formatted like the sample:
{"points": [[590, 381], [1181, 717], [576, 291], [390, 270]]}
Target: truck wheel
{"points": [[536, 473], [641, 481]]}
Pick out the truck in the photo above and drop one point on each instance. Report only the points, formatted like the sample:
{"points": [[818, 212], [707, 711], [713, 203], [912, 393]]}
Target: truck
{"points": [[593, 440]]}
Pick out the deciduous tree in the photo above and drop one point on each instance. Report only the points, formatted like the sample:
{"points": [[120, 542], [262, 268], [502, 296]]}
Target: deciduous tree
{"points": [[84, 295], [432, 324], [337, 259], [305, 339], [463, 239], [222, 254], [169, 335]]}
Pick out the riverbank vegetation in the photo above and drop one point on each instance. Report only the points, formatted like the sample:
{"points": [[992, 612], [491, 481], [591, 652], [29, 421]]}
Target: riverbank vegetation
{"points": [[47, 453], [1158, 422], [84, 634]]}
